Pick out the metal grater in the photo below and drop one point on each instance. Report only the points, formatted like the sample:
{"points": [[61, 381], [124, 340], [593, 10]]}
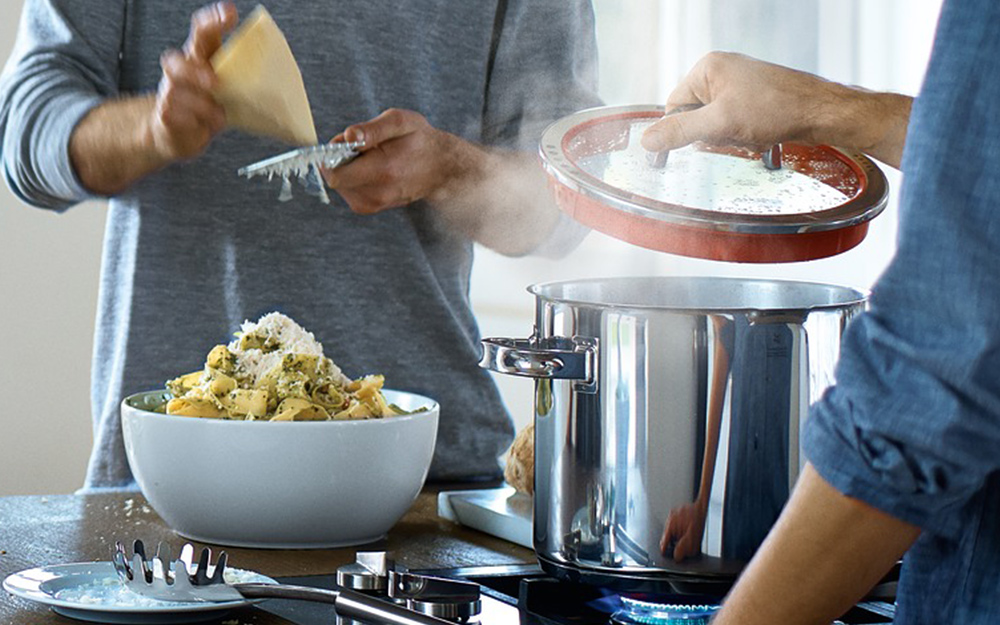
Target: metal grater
{"points": [[305, 164]]}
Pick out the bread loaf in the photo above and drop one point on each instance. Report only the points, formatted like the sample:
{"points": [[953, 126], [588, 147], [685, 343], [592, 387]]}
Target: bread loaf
{"points": [[520, 469]]}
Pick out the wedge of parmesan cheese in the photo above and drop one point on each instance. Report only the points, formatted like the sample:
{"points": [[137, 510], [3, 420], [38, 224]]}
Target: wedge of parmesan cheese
{"points": [[260, 85]]}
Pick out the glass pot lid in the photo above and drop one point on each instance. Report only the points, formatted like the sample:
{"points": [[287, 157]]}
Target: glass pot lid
{"points": [[792, 203]]}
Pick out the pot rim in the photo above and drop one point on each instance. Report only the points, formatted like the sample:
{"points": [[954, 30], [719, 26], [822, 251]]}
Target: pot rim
{"points": [[851, 296]]}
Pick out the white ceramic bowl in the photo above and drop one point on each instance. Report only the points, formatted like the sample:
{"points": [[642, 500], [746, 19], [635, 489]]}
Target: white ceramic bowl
{"points": [[279, 484]]}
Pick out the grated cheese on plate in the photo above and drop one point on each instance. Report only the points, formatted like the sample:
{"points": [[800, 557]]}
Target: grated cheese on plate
{"points": [[109, 591]]}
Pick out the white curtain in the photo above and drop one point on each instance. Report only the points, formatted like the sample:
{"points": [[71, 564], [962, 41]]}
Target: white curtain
{"points": [[648, 45]]}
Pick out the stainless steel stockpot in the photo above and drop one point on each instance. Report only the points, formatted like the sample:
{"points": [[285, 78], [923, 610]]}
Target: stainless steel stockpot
{"points": [[667, 418]]}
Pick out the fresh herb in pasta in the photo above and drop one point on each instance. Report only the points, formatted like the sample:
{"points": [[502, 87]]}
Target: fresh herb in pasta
{"points": [[274, 370]]}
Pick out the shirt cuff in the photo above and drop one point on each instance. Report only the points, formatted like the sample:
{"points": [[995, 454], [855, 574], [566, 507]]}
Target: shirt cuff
{"points": [[846, 458]]}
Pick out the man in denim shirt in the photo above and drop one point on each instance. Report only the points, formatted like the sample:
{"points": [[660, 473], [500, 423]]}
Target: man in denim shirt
{"points": [[904, 450]]}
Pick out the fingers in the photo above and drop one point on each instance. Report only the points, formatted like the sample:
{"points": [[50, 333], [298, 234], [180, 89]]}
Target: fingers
{"points": [[183, 70], [686, 95], [666, 542], [330, 178], [670, 532], [371, 201], [373, 168], [185, 111], [678, 541], [371, 184], [185, 116], [208, 25], [676, 131], [685, 547], [691, 119], [391, 124], [184, 99], [374, 173], [728, 85], [404, 159], [749, 103], [356, 183]]}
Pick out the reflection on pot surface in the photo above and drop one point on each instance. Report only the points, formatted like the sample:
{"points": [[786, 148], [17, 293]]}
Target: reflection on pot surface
{"points": [[667, 421]]}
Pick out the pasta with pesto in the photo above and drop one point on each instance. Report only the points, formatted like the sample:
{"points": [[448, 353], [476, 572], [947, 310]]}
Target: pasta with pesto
{"points": [[274, 370]]}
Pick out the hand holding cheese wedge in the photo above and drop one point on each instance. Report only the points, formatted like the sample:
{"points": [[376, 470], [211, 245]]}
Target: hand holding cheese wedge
{"points": [[186, 116], [124, 139], [251, 82], [259, 83]]}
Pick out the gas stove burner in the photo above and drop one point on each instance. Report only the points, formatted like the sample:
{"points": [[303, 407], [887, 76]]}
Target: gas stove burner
{"points": [[638, 612], [376, 574]]}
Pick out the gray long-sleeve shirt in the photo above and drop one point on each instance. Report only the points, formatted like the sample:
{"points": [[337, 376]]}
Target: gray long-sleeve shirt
{"points": [[192, 251]]}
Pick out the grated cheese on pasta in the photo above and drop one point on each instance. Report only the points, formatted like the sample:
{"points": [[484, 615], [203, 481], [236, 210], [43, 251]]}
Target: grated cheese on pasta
{"points": [[275, 370], [292, 337]]}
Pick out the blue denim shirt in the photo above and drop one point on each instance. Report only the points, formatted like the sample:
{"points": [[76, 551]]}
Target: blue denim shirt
{"points": [[913, 424]]}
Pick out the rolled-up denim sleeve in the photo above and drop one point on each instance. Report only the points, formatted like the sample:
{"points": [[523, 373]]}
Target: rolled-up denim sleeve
{"points": [[912, 425], [64, 63]]}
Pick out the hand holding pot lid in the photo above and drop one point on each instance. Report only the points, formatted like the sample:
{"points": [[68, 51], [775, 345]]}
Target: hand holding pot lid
{"points": [[715, 199], [732, 99]]}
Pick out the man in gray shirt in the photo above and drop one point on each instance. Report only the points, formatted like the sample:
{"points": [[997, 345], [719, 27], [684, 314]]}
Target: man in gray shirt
{"points": [[457, 94]]}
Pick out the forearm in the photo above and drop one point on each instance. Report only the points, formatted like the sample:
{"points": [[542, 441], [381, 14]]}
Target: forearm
{"points": [[498, 199], [112, 146], [757, 104], [874, 123], [832, 549]]}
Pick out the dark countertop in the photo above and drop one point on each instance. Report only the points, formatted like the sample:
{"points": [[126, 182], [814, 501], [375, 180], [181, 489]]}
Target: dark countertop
{"points": [[44, 530]]}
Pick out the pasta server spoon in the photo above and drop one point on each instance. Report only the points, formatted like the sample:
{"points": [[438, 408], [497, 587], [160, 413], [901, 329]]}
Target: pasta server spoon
{"points": [[183, 580]]}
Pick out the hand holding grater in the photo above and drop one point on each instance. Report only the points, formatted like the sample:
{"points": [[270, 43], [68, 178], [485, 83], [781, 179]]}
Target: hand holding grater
{"points": [[305, 163]]}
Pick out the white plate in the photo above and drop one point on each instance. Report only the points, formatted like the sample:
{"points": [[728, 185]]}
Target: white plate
{"points": [[54, 586]]}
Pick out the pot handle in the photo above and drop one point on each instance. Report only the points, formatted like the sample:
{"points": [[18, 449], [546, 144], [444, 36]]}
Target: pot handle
{"points": [[555, 358]]}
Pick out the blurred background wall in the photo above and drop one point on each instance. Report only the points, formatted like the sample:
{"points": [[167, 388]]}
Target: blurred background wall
{"points": [[49, 266], [49, 263]]}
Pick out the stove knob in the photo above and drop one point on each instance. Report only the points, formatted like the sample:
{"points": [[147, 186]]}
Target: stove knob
{"points": [[369, 573], [457, 612], [450, 599]]}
